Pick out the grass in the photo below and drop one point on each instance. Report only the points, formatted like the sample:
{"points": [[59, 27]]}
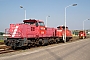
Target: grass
{"points": [[1, 40]]}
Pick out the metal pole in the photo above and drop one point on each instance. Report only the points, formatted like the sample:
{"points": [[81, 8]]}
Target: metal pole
{"points": [[65, 19], [65, 25], [25, 13], [46, 21], [24, 10], [83, 29]]}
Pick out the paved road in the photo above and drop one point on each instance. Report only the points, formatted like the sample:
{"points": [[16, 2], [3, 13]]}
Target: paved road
{"points": [[79, 50]]}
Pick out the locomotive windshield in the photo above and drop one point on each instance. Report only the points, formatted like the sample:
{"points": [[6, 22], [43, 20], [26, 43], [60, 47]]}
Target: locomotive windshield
{"points": [[41, 24]]}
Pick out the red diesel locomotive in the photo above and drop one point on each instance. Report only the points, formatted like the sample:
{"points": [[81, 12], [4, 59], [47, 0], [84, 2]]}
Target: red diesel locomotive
{"points": [[82, 34], [33, 32]]}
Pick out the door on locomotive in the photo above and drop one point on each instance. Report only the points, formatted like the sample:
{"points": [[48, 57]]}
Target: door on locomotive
{"points": [[42, 29]]}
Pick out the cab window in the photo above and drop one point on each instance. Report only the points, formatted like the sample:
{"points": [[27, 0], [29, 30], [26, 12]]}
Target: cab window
{"points": [[41, 24]]}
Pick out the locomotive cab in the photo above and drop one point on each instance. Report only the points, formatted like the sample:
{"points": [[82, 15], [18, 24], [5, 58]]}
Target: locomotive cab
{"points": [[37, 27], [61, 33], [61, 30]]}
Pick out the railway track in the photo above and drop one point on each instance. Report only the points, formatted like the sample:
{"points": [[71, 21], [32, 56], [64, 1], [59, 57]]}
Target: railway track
{"points": [[5, 49], [1, 43]]}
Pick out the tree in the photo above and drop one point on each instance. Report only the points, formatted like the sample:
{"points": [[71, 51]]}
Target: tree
{"points": [[1, 33]]}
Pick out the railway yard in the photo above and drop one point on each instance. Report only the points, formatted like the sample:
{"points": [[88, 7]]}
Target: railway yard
{"points": [[45, 30], [33, 35]]}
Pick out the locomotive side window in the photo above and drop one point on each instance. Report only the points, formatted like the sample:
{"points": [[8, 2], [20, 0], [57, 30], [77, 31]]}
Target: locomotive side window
{"points": [[32, 28], [36, 24]]}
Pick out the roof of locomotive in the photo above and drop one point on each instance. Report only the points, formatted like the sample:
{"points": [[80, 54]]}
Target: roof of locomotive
{"points": [[61, 27], [81, 31], [32, 20]]}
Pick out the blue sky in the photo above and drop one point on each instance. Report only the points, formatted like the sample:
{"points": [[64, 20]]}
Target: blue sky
{"points": [[10, 12]]}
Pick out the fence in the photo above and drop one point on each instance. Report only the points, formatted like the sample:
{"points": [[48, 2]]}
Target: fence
{"points": [[1, 37]]}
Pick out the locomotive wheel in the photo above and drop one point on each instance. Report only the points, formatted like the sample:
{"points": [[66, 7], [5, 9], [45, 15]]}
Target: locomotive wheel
{"points": [[14, 47], [29, 45], [23, 47], [40, 41], [6, 42], [54, 41], [67, 39], [84, 37], [57, 41], [44, 42], [37, 43], [33, 44]]}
